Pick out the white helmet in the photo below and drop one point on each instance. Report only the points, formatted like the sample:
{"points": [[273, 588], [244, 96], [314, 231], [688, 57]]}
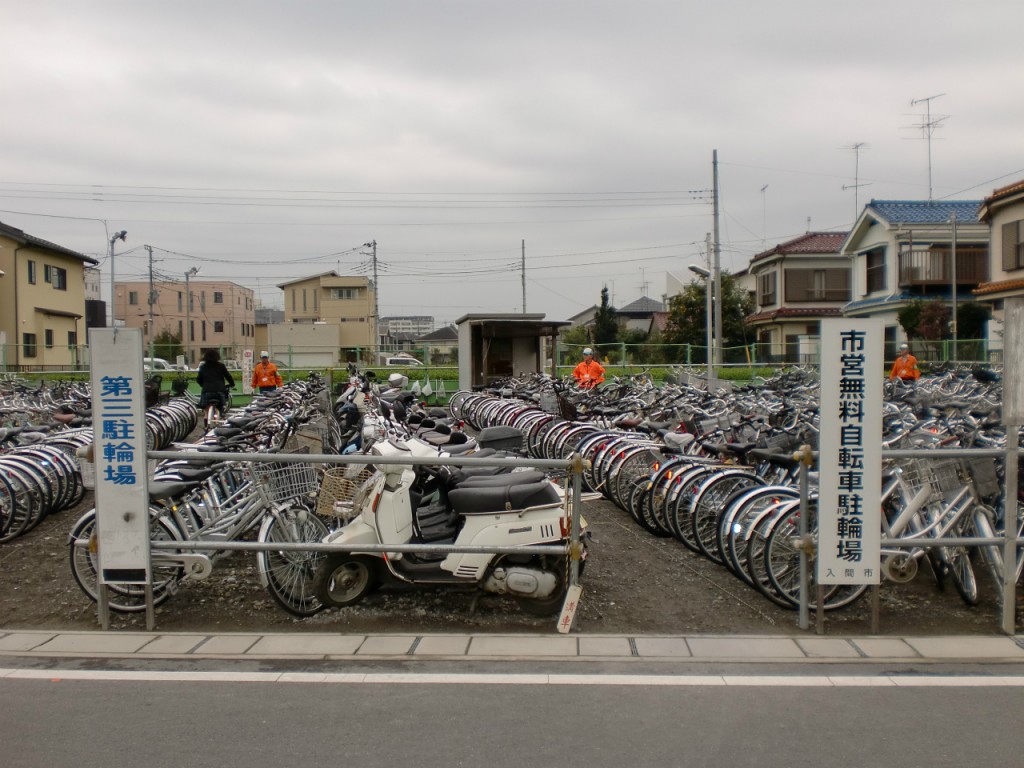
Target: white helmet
{"points": [[588, 351]]}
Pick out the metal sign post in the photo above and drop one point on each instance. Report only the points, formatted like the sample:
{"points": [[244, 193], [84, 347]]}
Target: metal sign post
{"points": [[849, 457], [122, 493], [1013, 417]]}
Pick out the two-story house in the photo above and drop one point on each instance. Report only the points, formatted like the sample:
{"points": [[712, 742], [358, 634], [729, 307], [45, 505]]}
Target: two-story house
{"points": [[901, 251], [42, 302], [346, 302], [796, 284], [1003, 211], [219, 315]]}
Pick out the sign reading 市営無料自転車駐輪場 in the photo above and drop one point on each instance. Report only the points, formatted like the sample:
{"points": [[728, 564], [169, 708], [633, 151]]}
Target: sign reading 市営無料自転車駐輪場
{"points": [[119, 434], [850, 452]]}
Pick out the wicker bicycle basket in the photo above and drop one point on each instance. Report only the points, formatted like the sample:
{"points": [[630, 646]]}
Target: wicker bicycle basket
{"points": [[942, 476], [285, 482], [339, 489]]}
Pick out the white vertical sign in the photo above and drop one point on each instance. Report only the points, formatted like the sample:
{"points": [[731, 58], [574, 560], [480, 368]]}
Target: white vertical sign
{"points": [[247, 366], [1013, 356], [850, 452], [119, 434]]}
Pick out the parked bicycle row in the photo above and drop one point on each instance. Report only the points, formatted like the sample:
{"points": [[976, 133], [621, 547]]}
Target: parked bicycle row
{"points": [[716, 472], [52, 473]]}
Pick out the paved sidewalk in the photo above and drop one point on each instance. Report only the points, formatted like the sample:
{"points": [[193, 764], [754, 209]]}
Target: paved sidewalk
{"points": [[698, 648]]}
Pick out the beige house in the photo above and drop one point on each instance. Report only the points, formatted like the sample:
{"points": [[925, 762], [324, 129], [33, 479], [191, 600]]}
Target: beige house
{"points": [[344, 300], [42, 302], [221, 315], [1003, 211], [797, 283], [901, 251]]}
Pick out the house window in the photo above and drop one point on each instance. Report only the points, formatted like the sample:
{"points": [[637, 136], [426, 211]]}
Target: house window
{"points": [[31, 272], [218, 297], [48, 338], [204, 330], [46, 273], [831, 284], [766, 289], [875, 271], [294, 305], [344, 293], [218, 326], [28, 344], [133, 297], [72, 339], [181, 330], [180, 301], [1013, 245], [59, 278], [303, 299]]}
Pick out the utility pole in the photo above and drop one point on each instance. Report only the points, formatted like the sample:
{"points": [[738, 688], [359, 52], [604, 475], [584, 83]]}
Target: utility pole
{"points": [[188, 314], [116, 236], [376, 295], [717, 264], [928, 128], [952, 295], [152, 299], [523, 271]]}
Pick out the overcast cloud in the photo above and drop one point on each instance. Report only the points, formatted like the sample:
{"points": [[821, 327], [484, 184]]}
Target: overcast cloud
{"points": [[265, 141]]}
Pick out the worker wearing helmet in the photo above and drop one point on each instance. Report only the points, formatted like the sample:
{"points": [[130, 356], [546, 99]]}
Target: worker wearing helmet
{"points": [[265, 377], [905, 368], [589, 373]]}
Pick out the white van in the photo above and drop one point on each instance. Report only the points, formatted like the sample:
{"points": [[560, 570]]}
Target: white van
{"points": [[156, 365], [406, 362]]}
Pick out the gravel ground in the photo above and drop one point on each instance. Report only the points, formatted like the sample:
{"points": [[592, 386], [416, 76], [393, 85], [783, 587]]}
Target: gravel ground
{"points": [[634, 583]]}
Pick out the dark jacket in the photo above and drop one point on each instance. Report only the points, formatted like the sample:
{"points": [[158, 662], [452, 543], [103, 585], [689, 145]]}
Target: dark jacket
{"points": [[214, 377]]}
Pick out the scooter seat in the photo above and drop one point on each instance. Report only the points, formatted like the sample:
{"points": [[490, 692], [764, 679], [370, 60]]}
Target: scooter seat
{"points": [[488, 500], [507, 478]]}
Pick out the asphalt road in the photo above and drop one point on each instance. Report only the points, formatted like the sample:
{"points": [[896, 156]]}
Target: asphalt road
{"points": [[788, 716]]}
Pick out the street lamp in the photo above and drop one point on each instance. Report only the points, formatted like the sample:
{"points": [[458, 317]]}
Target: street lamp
{"points": [[188, 314], [706, 274], [116, 236]]}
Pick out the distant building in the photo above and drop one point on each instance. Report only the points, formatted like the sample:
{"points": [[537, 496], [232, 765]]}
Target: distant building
{"points": [[221, 315], [343, 300], [414, 324]]}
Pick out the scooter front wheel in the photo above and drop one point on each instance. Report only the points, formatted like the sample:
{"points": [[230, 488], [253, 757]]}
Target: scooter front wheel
{"points": [[345, 579]]}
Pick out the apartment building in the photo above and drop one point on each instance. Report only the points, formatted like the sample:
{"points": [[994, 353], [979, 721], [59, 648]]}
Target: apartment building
{"points": [[347, 301], [219, 314]]}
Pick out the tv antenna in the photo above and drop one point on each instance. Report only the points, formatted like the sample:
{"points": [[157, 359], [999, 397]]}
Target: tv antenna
{"points": [[928, 128], [764, 217], [856, 177]]}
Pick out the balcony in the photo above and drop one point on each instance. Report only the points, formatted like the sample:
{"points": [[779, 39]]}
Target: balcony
{"points": [[926, 267]]}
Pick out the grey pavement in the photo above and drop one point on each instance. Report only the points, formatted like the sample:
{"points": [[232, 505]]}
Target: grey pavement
{"points": [[485, 647]]}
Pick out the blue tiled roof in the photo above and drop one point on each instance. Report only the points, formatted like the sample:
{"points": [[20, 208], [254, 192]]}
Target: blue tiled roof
{"points": [[892, 298], [926, 211]]}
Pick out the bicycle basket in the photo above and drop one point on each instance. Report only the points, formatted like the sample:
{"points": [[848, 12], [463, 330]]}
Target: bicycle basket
{"points": [[982, 472], [340, 489], [566, 409], [943, 477], [285, 482]]}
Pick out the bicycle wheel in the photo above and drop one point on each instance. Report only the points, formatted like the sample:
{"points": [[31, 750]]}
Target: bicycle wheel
{"points": [[959, 565], [122, 598], [289, 576], [707, 504]]}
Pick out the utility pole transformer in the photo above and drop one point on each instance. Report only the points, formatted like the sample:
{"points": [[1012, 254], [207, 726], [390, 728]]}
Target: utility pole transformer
{"points": [[523, 273]]}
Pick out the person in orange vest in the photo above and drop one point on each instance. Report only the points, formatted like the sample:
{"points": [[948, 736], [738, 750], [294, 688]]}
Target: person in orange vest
{"points": [[905, 367], [589, 373], [264, 375]]}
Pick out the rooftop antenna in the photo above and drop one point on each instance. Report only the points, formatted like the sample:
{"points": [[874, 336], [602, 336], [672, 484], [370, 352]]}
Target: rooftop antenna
{"points": [[928, 128], [856, 177], [764, 217]]}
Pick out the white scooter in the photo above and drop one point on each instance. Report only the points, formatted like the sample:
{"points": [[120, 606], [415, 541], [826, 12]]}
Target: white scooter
{"points": [[511, 509]]}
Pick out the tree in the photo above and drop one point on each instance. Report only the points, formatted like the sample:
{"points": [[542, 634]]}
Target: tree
{"points": [[606, 324], [688, 323], [167, 345]]}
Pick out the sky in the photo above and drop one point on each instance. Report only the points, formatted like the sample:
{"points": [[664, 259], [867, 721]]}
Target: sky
{"points": [[267, 141]]}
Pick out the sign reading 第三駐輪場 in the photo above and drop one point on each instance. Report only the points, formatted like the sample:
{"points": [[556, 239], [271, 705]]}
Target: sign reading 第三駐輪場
{"points": [[119, 429], [850, 452]]}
